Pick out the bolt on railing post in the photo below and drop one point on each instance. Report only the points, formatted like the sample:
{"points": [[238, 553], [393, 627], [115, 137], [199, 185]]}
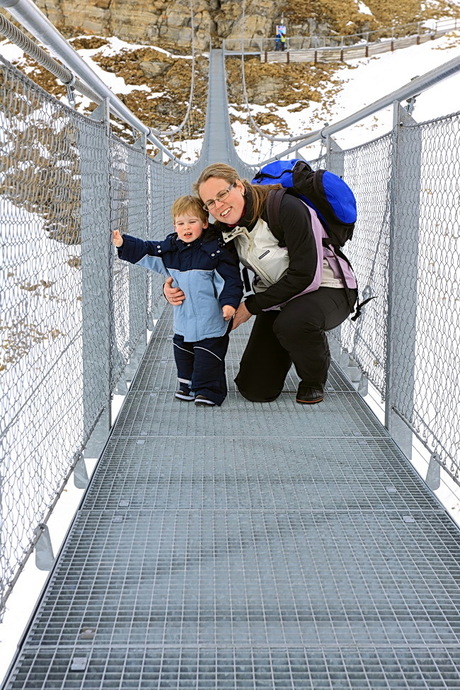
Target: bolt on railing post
{"points": [[44, 556]]}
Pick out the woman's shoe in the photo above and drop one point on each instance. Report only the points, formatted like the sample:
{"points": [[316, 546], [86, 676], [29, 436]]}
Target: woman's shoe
{"points": [[309, 395], [184, 394]]}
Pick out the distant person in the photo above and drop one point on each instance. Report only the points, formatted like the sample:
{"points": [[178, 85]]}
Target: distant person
{"points": [[197, 262], [299, 291], [283, 41], [278, 41]]}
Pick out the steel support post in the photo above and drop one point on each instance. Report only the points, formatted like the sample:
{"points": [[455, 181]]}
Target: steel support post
{"points": [[402, 272], [96, 266]]}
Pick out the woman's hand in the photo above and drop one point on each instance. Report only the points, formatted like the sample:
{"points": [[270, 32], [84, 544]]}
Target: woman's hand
{"points": [[242, 314], [117, 238], [175, 296], [228, 312]]}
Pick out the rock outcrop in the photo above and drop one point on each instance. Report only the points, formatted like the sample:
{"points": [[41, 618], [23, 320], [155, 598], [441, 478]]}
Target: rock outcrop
{"points": [[165, 21], [168, 23]]}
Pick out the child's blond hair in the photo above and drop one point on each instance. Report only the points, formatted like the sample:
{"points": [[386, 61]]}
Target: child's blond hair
{"points": [[187, 204]]}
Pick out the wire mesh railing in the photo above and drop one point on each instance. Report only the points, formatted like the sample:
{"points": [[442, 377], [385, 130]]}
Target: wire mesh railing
{"points": [[406, 252], [70, 318], [367, 170]]}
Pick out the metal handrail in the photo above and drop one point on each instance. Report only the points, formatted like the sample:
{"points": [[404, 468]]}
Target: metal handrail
{"points": [[259, 44], [13, 34]]}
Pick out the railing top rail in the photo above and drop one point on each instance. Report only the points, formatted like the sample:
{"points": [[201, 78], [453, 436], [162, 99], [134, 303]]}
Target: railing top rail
{"points": [[413, 88], [11, 32]]}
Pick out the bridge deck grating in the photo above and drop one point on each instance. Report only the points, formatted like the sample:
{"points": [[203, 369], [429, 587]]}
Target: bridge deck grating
{"points": [[249, 546]]}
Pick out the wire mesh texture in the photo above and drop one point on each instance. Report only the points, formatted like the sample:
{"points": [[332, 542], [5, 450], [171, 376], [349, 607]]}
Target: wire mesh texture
{"points": [[248, 546], [71, 315], [368, 170], [407, 254]]}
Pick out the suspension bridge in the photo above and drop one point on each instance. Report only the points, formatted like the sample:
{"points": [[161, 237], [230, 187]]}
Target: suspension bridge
{"points": [[247, 546]]}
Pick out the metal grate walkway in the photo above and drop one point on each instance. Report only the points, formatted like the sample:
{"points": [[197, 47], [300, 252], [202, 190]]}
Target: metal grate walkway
{"points": [[249, 547]]}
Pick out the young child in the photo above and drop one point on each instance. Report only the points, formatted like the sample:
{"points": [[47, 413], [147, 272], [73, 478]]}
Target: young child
{"points": [[209, 276]]}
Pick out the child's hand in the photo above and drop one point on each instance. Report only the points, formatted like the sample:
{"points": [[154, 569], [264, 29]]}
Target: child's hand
{"points": [[117, 238], [228, 312]]}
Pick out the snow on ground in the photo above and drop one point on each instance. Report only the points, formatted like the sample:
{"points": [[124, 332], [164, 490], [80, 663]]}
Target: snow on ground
{"points": [[366, 82], [375, 77]]}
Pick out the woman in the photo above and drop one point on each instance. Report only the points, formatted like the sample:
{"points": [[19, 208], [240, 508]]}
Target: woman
{"points": [[298, 288]]}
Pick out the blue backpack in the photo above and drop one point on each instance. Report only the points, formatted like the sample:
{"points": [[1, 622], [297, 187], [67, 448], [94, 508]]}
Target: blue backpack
{"points": [[325, 192]]}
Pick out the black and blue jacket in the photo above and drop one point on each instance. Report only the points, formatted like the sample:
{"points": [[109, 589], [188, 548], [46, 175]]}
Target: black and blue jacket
{"points": [[204, 270]]}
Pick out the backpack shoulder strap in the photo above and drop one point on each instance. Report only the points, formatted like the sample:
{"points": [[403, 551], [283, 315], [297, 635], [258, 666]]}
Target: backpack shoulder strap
{"points": [[272, 206]]}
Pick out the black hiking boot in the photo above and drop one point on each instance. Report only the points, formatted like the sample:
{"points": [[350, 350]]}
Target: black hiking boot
{"points": [[309, 395]]}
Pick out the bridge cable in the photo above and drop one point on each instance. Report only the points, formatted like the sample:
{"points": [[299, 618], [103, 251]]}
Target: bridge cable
{"points": [[260, 131], [174, 130]]}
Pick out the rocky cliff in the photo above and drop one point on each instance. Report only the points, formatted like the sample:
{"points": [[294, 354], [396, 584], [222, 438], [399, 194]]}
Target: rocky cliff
{"points": [[163, 21], [169, 21]]}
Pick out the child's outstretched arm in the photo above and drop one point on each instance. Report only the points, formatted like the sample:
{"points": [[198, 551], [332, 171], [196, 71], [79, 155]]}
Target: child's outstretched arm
{"points": [[141, 252], [117, 238]]}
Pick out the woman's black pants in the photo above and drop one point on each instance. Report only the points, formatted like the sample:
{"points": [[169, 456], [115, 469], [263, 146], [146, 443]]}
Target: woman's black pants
{"points": [[295, 335]]}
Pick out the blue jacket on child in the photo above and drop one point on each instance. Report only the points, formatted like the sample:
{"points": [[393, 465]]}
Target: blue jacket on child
{"points": [[203, 269]]}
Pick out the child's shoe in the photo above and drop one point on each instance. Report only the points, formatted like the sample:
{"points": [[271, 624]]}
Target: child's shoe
{"points": [[201, 401], [185, 394]]}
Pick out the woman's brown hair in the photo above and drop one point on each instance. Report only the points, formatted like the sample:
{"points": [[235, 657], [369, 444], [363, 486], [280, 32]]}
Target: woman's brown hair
{"points": [[222, 171]]}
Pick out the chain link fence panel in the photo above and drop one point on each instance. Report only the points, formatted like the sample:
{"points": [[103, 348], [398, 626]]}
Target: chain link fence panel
{"points": [[434, 335], [72, 313], [367, 170], [406, 253], [41, 198]]}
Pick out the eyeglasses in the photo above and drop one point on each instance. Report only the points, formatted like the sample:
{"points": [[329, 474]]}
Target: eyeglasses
{"points": [[209, 205]]}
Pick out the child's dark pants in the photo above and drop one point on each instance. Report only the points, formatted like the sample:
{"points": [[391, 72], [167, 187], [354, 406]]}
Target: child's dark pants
{"points": [[203, 364]]}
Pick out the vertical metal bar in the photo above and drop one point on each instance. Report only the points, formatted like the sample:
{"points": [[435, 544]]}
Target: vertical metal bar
{"points": [[335, 157], [402, 272], [96, 281], [138, 212]]}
